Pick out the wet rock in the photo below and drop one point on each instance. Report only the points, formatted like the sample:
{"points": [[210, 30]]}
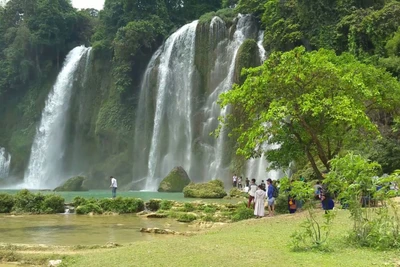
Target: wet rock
{"points": [[156, 215], [73, 184], [176, 180]]}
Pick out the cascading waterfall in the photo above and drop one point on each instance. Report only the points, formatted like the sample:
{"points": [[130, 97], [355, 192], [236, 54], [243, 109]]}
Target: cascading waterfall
{"points": [[173, 105], [172, 130], [261, 49], [45, 164], [5, 160]]}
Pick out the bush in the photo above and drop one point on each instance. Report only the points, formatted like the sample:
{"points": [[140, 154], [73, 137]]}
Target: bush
{"points": [[121, 205], [212, 189], [166, 204], [187, 217], [153, 204], [27, 202], [89, 208], [188, 207], [210, 209], [53, 204], [6, 203], [242, 213], [235, 192], [281, 204], [79, 201]]}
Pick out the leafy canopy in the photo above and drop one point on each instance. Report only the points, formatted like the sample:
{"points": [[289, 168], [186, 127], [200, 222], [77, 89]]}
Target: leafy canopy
{"points": [[315, 103]]}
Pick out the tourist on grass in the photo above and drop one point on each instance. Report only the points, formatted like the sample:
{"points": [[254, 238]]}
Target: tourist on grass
{"points": [[234, 180], [259, 200], [113, 186], [271, 193], [327, 203], [252, 191], [240, 186], [292, 204]]}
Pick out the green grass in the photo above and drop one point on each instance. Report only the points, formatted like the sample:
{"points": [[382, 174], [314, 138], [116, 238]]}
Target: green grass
{"points": [[247, 243]]}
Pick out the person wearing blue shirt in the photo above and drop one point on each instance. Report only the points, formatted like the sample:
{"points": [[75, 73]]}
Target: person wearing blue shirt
{"points": [[271, 198]]}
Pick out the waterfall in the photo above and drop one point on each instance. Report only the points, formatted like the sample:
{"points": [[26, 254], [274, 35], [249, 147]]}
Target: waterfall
{"points": [[172, 132], [261, 49], [45, 163], [5, 160]]}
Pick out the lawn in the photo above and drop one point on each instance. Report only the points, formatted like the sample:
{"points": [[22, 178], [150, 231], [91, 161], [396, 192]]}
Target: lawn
{"points": [[261, 242]]}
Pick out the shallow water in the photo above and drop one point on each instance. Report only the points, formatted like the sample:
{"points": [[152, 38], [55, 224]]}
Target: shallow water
{"points": [[71, 229]]}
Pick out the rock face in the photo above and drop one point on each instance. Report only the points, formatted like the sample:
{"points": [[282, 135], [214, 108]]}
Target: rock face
{"points": [[212, 189], [73, 184], [176, 180]]}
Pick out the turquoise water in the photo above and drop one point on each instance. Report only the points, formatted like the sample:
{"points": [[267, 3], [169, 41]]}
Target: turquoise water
{"points": [[98, 194]]}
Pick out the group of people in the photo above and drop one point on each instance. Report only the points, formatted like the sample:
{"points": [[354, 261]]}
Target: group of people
{"points": [[258, 194]]}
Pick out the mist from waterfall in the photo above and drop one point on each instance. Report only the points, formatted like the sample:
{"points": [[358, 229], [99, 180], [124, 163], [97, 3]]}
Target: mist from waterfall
{"points": [[5, 161], [45, 168]]}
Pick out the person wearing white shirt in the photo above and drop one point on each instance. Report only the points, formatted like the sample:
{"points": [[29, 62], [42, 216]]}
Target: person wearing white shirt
{"points": [[252, 191], [113, 186]]}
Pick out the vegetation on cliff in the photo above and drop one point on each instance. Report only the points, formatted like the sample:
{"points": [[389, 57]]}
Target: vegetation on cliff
{"points": [[175, 181], [211, 189]]}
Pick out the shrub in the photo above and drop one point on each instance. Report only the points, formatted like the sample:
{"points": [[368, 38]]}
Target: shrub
{"points": [[166, 204], [210, 209], [235, 192], [89, 208], [6, 203], [26, 202], [281, 204], [121, 205], [188, 207], [79, 201], [187, 217], [153, 204], [212, 189], [242, 213], [209, 218], [53, 204]]}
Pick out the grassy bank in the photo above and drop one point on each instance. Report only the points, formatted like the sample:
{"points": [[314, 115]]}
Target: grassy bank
{"points": [[252, 242]]}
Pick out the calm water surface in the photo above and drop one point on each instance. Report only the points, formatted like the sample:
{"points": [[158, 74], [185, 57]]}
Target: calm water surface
{"points": [[70, 229]]}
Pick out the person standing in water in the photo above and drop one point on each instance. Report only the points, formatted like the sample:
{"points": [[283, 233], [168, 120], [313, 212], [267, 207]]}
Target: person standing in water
{"points": [[113, 186]]}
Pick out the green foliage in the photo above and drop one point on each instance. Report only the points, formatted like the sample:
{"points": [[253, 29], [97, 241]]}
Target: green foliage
{"points": [[188, 207], [314, 233], [121, 205], [27, 202], [315, 103], [89, 208], [281, 204], [212, 189], [153, 204], [235, 192], [79, 201], [227, 15], [6, 203], [356, 181], [187, 217], [166, 204], [247, 57], [242, 213]]}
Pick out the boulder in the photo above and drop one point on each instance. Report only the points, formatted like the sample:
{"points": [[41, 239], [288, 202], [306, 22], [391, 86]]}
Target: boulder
{"points": [[73, 184], [175, 181], [212, 189]]}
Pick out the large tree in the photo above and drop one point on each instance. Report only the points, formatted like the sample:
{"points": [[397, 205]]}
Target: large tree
{"points": [[311, 103]]}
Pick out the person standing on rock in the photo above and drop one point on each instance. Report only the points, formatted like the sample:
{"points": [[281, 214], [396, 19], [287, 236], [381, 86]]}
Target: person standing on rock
{"points": [[113, 186], [259, 200]]}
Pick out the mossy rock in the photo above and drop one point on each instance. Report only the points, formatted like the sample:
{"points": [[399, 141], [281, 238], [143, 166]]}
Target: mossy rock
{"points": [[176, 180], [212, 189], [73, 184]]}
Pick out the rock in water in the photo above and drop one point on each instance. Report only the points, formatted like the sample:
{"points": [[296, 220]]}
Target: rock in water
{"points": [[73, 184], [176, 180]]}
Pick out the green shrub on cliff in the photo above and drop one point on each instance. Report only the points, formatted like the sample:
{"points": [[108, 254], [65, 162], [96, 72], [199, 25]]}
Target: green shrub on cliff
{"points": [[212, 189], [121, 205], [6, 203], [89, 208]]}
